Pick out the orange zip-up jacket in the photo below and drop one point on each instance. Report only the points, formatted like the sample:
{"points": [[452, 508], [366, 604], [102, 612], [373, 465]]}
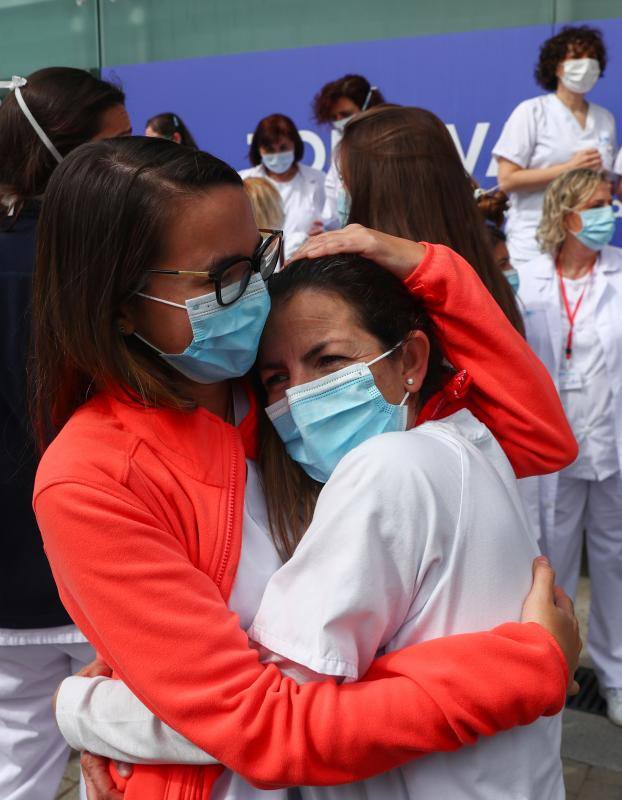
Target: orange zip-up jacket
{"points": [[141, 515]]}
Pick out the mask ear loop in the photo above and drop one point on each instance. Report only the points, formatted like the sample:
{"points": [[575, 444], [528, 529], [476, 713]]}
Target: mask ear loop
{"points": [[384, 355], [15, 84]]}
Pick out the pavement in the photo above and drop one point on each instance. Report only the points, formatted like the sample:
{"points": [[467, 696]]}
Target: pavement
{"points": [[591, 745]]}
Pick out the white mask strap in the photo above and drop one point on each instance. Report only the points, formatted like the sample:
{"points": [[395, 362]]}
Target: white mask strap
{"points": [[384, 355], [368, 97], [144, 341], [15, 84], [404, 399], [159, 300]]}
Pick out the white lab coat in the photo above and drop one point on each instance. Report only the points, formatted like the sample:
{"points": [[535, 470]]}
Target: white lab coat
{"points": [[542, 132], [303, 200], [568, 502]]}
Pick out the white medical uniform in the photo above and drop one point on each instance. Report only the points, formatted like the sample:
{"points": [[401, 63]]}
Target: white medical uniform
{"points": [[542, 132], [303, 201], [33, 754], [587, 495], [332, 187], [416, 535], [617, 166]]}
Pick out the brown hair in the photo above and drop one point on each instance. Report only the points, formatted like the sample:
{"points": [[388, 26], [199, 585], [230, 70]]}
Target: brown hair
{"points": [[271, 129], [68, 104], [167, 124], [492, 206], [405, 178], [100, 230], [383, 307], [580, 40], [355, 87]]}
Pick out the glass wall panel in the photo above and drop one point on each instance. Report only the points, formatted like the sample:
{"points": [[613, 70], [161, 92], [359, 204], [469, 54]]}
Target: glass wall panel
{"points": [[43, 33]]}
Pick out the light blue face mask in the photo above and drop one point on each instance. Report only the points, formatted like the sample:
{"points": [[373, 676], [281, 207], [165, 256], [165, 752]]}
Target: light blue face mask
{"points": [[513, 278], [599, 225], [320, 421], [278, 162], [344, 203], [224, 338]]}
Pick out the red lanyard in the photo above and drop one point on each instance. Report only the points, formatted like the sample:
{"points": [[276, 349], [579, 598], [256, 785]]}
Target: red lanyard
{"points": [[572, 315]]}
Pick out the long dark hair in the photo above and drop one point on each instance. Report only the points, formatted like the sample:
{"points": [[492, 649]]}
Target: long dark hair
{"points": [[383, 307], [405, 178], [68, 104], [100, 230], [167, 124]]}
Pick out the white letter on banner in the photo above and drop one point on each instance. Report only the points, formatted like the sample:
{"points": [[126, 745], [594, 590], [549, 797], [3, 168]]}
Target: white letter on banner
{"points": [[319, 151], [311, 138], [475, 146]]}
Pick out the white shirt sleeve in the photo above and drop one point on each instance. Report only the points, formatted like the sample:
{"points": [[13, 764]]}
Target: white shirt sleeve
{"points": [[102, 716], [519, 136], [617, 167], [350, 584]]}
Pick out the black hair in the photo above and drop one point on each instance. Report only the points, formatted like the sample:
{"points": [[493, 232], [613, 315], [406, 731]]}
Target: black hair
{"points": [[167, 124]]}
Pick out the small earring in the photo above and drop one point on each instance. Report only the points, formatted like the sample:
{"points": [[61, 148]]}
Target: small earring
{"points": [[122, 330], [410, 381]]}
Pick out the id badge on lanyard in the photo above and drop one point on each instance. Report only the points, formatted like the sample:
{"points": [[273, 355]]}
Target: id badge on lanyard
{"points": [[570, 379]]}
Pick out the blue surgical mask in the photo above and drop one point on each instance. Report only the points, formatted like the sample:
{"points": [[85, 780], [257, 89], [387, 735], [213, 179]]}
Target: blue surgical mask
{"points": [[344, 203], [599, 225], [225, 339], [278, 162], [320, 421], [513, 278]]}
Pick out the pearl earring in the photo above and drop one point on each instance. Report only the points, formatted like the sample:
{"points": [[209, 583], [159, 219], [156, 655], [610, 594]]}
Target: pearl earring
{"points": [[410, 381]]}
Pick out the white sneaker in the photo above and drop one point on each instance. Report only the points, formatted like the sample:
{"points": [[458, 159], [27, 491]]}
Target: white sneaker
{"points": [[614, 705]]}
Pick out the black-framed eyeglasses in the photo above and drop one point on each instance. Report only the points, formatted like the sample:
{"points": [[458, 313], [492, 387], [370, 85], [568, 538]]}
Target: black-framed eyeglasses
{"points": [[232, 276]]}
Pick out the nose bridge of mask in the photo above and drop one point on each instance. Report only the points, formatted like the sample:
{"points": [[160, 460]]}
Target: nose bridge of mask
{"points": [[327, 384]]}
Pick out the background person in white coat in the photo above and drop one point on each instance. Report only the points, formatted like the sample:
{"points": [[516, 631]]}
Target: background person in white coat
{"points": [[337, 103], [553, 133], [573, 301], [275, 152]]}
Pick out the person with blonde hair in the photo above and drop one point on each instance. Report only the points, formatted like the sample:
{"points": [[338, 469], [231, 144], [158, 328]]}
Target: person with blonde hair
{"points": [[573, 299], [266, 203]]}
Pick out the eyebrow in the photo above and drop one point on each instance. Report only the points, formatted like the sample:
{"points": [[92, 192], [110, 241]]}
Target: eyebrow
{"points": [[309, 355]]}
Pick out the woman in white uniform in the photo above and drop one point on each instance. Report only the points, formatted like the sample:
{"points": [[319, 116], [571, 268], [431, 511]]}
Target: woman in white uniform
{"points": [[275, 153], [337, 103], [550, 134], [573, 300], [403, 544]]}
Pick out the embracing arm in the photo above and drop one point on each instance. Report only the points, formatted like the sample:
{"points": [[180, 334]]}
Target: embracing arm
{"points": [[512, 393], [191, 665]]}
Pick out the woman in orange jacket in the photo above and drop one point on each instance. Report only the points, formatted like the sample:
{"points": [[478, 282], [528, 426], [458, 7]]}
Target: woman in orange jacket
{"points": [[149, 302]]}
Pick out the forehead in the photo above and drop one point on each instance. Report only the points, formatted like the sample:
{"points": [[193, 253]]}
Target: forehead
{"points": [[209, 226], [304, 319], [602, 191]]}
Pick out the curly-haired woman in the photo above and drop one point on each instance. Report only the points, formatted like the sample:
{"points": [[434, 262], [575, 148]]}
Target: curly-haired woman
{"points": [[555, 132]]}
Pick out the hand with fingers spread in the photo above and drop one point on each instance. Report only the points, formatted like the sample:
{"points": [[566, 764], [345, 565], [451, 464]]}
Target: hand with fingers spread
{"points": [[550, 607], [399, 256]]}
